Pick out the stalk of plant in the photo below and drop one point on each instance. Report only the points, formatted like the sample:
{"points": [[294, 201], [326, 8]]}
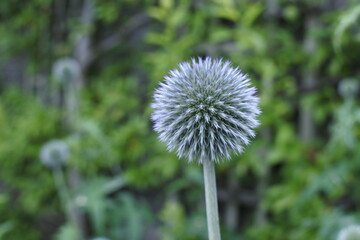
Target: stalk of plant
{"points": [[206, 111], [211, 200], [67, 73], [54, 155], [63, 192]]}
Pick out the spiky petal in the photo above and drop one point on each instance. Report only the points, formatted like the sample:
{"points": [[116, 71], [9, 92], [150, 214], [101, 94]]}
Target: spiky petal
{"points": [[205, 109]]}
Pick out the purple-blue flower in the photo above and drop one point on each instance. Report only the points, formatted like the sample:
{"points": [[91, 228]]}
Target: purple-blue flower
{"points": [[205, 109]]}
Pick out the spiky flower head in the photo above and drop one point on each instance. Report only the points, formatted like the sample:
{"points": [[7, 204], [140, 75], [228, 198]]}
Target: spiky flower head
{"points": [[205, 109], [350, 233], [66, 70], [348, 88], [54, 154]]}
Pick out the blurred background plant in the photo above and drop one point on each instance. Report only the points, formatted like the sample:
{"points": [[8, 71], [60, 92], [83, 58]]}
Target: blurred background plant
{"points": [[297, 181], [349, 233]]}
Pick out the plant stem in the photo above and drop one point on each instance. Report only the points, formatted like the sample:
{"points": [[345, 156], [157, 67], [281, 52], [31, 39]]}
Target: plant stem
{"points": [[63, 192], [66, 201], [212, 212]]}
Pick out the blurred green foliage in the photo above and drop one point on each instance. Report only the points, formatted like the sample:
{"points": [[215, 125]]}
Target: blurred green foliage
{"points": [[297, 180]]}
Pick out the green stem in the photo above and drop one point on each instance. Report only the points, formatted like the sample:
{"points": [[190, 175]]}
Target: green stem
{"points": [[212, 212], [63, 192], [65, 199]]}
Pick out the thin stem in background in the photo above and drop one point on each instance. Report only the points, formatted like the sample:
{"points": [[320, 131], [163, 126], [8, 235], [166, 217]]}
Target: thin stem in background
{"points": [[65, 199], [63, 192]]}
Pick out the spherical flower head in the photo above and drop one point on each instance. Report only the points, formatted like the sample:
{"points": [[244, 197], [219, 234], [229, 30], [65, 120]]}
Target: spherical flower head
{"points": [[348, 88], [54, 154], [205, 109], [66, 70], [350, 233]]}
